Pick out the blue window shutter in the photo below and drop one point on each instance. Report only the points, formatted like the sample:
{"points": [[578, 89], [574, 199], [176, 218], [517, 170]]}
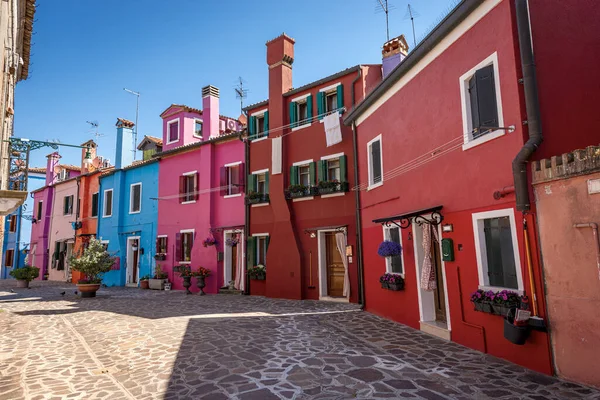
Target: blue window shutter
{"points": [[340, 96], [343, 167], [320, 104], [252, 126], [266, 119], [293, 114], [309, 108]]}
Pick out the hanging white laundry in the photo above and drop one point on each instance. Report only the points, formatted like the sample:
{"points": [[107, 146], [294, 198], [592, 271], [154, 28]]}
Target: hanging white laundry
{"points": [[333, 130], [276, 155]]}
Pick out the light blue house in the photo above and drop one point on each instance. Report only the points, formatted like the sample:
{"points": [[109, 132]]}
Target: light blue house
{"points": [[128, 212], [17, 227]]}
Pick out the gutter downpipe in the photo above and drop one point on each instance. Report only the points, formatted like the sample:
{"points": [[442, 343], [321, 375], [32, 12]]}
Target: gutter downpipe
{"points": [[532, 105], [246, 218]]}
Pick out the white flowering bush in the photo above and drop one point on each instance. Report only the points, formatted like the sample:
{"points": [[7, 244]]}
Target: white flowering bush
{"points": [[93, 263]]}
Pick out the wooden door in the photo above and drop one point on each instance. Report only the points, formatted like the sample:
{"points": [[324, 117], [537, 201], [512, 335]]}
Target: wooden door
{"points": [[438, 294], [233, 263], [335, 268]]}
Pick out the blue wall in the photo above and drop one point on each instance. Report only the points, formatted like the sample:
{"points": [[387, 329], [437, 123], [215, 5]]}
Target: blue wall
{"points": [[121, 225]]}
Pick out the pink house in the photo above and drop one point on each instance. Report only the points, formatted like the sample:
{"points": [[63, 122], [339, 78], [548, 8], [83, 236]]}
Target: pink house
{"points": [[201, 175]]}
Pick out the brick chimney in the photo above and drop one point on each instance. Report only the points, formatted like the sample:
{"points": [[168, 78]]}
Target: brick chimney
{"points": [[210, 111], [51, 175], [124, 151], [90, 146], [280, 57], [393, 52]]}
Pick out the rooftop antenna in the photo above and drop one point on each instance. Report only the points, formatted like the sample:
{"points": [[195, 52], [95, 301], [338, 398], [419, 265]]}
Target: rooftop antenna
{"points": [[137, 109], [240, 92], [94, 125], [411, 14], [384, 6]]}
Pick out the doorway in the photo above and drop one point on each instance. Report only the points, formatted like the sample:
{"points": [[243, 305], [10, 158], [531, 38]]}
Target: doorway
{"points": [[331, 267], [232, 256], [69, 253], [133, 249]]}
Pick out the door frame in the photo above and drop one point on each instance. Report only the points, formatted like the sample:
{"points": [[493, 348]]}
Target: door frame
{"points": [[426, 299], [227, 267], [322, 262], [130, 260], [69, 245]]}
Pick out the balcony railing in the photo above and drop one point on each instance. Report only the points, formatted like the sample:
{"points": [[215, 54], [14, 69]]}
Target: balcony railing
{"points": [[257, 198], [329, 188]]}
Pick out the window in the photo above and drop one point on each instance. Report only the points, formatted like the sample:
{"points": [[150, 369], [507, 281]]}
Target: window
{"points": [[497, 249], [39, 210], [186, 242], [68, 205], [198, 128], [9, 258], [232, 179], [94, 205], [135, 198], [304, 175], [161, 244], [12, 227], [481, 102], [173, 130], [262, 243], [261, 183], [333, 169], [330, 99], [108, 203], [393, 265], [188, 187], [375, 162], [64, 174], [258, 125]]}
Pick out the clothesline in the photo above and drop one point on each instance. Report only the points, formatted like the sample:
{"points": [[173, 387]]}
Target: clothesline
{"points": [[298, 124]]}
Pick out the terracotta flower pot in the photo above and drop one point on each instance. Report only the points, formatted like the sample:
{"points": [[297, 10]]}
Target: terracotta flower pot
{"points": [[22, 283], [145, 284], [88, 289]]}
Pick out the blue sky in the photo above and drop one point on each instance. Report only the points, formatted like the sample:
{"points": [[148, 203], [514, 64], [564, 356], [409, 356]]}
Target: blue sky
{"points": [[85, 52]]}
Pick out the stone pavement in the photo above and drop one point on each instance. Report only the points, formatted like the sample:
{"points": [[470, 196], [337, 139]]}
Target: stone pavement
{"points": [[135, 344]]}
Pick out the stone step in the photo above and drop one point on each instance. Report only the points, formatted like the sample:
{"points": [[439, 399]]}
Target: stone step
{"points": [[229, 291]]}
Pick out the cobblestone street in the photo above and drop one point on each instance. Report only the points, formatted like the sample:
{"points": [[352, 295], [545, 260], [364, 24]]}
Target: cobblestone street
{"points": [[134, 344]]}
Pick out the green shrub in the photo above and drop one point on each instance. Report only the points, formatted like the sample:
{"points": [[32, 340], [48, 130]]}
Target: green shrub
{"points": [[26, 273]]}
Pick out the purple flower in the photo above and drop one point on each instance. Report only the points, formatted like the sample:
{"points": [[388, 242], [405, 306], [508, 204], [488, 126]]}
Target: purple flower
{"points": [[388, 248]]}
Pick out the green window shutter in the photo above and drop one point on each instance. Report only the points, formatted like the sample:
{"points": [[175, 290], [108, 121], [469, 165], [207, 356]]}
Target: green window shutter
{"points": [[320, 104], [293, 175], [312, 171], [251, 183], [267, 183], [322, 170], [266, 119], [343, 169], [340, 96], [309, 108], [293, 117], [267, 240], [251, 126], [251, 251]]}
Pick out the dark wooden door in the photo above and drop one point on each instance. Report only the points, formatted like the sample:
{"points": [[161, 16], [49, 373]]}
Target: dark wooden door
{"points": [[438, 294], [335, 268], [233, 263]]}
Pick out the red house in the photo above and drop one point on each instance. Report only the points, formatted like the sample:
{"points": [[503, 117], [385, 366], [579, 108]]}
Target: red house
{"points": [[301, 212], [436, 140]]}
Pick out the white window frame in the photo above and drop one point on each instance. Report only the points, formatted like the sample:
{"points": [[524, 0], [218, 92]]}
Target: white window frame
{"points": [[233, 164], [196, 184], [104, 214], [306, 122], [480, 250], [258, 114], [39, 216], [72, 204], [465, 102], [131, 198], [202, 123], [97, 211], [373, 185], [161, 237], [264, 236], [260, 172], [169, 123], [194, 241], [388, 261]]}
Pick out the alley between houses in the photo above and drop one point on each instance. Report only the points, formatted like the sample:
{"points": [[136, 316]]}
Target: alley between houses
{"points": [[133, 344]]}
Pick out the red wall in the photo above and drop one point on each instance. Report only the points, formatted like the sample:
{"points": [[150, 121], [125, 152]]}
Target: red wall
{"points": [[424, 114]]}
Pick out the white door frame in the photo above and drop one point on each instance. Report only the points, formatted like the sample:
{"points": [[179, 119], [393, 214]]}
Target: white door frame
{"points": [[322, 258], [69, 251], [130, 260], [227, 267], [426, 299]]}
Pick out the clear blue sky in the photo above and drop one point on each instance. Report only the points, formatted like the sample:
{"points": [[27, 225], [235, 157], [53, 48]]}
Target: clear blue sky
{"points": [[85, 52]]}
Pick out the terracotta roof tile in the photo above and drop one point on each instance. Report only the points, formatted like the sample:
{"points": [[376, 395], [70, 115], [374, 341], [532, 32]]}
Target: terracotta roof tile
{"points": [[125, 122], [195, 145], [37, 170], [70, 167]]}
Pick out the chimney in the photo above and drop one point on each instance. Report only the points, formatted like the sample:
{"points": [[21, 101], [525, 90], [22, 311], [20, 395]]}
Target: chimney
{"points": [[393, 52], [124, 151], [280, 57], [210, 111], [51, 176], [89, 146]]}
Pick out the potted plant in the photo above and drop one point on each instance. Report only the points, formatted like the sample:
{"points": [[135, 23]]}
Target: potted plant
{"points": [[482, 300], [504, 301], [24, 275], [232, 241], [384, 284], [157, 282], [92, 263], [145, 282], [388, 248], [333, 186], [209, 241], [254, 197], [185, 272], [258, 272], [160, 256], [392, 282], [201, 274], [295, 191]]}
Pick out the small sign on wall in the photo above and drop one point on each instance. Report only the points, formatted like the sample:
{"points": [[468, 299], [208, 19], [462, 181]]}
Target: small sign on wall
{"points": [[593, 186]]}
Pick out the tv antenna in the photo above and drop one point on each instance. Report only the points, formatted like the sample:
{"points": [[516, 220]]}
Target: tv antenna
{"points": [[94, 125], [411, 14], [137, 111], [384, 6], [240, 92]]}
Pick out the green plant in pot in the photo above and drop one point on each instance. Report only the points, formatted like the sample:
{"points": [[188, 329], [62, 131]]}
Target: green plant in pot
{"points": [[25, 275], [157, 282], [145, 282], [93, 262]]}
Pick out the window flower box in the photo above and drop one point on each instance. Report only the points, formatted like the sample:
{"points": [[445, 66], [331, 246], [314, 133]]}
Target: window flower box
{"points": [[258, 272], [329, 187], [257, 198], [298, 191], [497, 303], [392, 282], [160, 257]]}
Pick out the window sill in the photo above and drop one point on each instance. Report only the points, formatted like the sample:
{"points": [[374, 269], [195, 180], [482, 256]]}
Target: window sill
{"points": [[174, 141], [374, 186], [303, 199], [498, 289], [183, 262], [301, 127], [198, 137], [188, 202], [260, 139], [324, 196], [260, 205], [229, 196], [135, 212], [483, 139], [107, 216], [400, 274]]}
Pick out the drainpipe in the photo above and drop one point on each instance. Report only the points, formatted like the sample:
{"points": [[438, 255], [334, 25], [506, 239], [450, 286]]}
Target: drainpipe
{"points": [[594, 227], [519, 164], [246, 218], [361, 274]]}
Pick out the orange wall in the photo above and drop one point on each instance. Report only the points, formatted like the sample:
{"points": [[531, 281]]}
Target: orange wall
{"points": [[88, 185]]}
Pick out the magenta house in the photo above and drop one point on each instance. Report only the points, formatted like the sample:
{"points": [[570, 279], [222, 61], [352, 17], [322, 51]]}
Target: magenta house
{"points": [[200, 202]]}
